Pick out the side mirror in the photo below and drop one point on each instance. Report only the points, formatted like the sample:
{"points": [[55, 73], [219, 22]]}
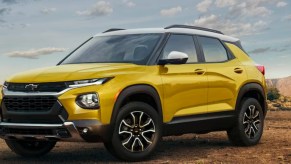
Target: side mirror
{"points": [[175, 57]]}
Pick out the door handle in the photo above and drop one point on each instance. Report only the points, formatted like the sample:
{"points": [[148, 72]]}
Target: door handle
{"points": [[199, 71], [238, 70]]}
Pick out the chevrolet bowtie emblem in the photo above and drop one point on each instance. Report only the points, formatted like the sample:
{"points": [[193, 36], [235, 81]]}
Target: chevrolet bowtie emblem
{"points": [[31, 87]]}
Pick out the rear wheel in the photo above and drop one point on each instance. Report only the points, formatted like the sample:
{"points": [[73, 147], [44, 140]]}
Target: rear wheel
{"points": [[30, 148], [136, 133], [249, 124]]}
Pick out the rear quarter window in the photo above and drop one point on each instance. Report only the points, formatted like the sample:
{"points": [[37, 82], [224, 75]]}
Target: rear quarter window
{"points": [[213, 49]]}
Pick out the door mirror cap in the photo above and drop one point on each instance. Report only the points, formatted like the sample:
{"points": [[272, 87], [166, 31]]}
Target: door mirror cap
{"points": [[174, 57]]}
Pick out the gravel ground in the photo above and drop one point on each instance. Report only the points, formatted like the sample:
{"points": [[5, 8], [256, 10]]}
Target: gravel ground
{"points": [[275, 147]]}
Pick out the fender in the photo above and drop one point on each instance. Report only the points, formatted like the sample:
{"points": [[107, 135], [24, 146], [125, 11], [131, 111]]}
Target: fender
{"points": [[251, 87], [136, 89]]}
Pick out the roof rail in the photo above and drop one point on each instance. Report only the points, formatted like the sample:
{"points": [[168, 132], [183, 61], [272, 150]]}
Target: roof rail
{"points": [[113, 29], [193, 27]]}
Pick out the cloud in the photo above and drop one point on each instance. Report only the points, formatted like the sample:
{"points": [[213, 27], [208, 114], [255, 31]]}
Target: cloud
{"points": [[48, 10], [171, 11], [9, 2], [203, 21], [4, 11], [260, 50], [250, 9], [35, 53], [267, 49], [281, 4], [99, 9], [24, 25], [5, 24], [225, 3], [288, 18], [279, 50], [230, 27], [204, 5], [128, 3]]}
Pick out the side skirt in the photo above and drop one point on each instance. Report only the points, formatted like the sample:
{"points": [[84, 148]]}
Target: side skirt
{"points": [[202, 123]]}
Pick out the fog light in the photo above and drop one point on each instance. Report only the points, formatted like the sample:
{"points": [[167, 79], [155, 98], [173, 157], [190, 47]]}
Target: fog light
{"points": [[88, 101], [85, 130]]}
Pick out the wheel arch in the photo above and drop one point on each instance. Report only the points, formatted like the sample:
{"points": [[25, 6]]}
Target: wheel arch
{"points": [[253, 90], [139, 92]]}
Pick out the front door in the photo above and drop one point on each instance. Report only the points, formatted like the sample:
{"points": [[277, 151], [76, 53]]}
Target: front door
{"points": [[185, 85]]}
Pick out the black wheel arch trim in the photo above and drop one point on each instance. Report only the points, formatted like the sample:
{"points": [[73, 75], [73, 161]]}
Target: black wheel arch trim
{"points": [[137, 89], [251, 87]]}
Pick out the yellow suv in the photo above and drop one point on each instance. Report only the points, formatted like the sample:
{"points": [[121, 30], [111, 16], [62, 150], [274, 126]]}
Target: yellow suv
{"points": [[128, 88]]}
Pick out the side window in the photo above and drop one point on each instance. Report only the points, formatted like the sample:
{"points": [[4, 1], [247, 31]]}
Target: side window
{"points": [[213, 50], [181, 43]]}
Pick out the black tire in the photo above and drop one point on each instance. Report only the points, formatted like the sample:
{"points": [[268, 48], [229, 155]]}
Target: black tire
{"points": [[30, 148], [249, 124], [109, 148], [135, 140]]}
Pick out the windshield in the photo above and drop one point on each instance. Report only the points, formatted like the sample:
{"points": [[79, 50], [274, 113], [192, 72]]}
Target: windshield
{"points": [[133, 48]]}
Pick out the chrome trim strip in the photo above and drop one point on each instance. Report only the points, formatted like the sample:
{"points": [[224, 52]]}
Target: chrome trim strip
{"points": [[99, 82], [61, 117], [34, 137], [6, 92], [75, 136], [24, 125], [70, 126], [59, 103]]}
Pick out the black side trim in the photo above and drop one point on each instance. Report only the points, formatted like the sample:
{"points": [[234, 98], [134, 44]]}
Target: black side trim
{"points": [[252, 87], [136, 89], [202, 123]]}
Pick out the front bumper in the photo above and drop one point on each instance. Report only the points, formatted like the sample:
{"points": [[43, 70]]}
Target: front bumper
{"points": [[64, 121], [68, 131]]}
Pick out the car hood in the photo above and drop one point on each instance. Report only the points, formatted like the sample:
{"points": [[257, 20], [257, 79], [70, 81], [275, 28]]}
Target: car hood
{"points": [[70, 72]]}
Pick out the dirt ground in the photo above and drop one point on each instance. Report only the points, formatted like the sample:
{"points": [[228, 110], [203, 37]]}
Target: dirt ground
{"points": [[275, 147]]}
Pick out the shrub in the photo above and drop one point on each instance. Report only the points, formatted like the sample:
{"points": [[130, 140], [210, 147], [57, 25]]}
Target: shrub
{"points": [[273, 94]]}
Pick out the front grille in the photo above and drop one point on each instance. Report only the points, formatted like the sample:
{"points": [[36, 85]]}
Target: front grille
{"points": [[29, 103], [37, 87]]}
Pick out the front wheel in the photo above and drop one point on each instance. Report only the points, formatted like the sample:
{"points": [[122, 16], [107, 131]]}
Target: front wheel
{"points": [[30, 148], [136, 133], [249, 124]]}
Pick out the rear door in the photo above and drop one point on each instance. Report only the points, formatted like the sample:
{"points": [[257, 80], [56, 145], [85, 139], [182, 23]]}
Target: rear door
{"points": [[185, 85], [225, 74]]}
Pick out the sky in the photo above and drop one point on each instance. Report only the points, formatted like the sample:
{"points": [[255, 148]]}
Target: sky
{"points": [[39, 33]]}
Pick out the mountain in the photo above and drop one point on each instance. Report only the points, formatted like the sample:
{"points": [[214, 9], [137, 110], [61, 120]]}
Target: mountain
{"points": [[282, 84]]}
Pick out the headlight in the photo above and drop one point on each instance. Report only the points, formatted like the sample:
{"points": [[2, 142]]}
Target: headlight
{"points": [[82, 83], [88, 101]]}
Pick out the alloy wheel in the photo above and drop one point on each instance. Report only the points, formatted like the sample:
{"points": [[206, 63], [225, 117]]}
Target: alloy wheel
{"points": [[251, 121], [137, 131]]}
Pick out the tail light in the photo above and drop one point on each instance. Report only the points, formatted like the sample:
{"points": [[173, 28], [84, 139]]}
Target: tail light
{"points": [[261, 68]]}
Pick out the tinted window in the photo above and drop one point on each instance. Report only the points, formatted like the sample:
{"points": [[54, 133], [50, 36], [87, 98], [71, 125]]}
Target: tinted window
{"points": [[133, 48], [181, 43], [213, 50]]}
